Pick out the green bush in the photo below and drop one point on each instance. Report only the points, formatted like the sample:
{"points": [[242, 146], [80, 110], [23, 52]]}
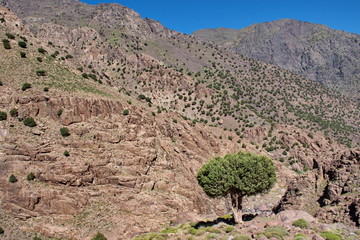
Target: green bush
{"points": [[229, 229], [10, 36], [65, 132], [277, 232], [301, 223], [99, 236], [22, 44], [300, 236], [66, 154], [3, 116], [242, 237], [68, 56], [22, 55], [126, 112], [331, 236], [41, 50], [26, 86], [29, 122], [46, 89], [2, 20], [39, 59], [2, 230], [36, 238], [12, 179], [6, 44], [30, 176], [59, 112]]}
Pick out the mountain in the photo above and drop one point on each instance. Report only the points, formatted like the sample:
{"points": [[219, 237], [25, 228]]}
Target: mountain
{"points": [[328, 56], [146, 107]]}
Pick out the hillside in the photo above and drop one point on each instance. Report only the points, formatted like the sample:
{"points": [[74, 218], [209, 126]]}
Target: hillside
{"points": [[328, 56], [144, 113]]}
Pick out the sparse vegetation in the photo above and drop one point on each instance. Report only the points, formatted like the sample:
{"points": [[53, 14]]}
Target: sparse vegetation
{"points": [[22, 44], [29, 122], [66, 153], [3, 116], [126, 112], [99, 236], [12, 178], [30, 176], [301, 223], [14, 113], [26, 86], [6, 44], [64, 131]]}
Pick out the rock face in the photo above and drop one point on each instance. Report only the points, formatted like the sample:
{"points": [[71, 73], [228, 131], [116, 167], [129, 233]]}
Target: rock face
{"points": [[331, 193], [325, 55]]}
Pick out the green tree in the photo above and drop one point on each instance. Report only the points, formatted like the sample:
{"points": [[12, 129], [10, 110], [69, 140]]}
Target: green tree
{"points": [[236, 176]]}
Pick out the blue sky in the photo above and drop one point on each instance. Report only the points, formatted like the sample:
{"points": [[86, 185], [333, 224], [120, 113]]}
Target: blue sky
{"points": [[187, 16]]}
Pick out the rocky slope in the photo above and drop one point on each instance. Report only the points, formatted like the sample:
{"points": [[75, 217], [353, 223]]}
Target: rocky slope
{"points": [[202, 81], [129, 164], [318, 52]]}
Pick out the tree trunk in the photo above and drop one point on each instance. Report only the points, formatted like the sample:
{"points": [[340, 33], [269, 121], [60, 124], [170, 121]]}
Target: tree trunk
{"points": [[236, 207]]}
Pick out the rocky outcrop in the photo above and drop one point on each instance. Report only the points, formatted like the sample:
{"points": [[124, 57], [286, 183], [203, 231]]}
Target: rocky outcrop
{"points": [[330, 192]]}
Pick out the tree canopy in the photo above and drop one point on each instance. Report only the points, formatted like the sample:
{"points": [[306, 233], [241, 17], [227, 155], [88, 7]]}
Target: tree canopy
{"points": [[237, 175]]}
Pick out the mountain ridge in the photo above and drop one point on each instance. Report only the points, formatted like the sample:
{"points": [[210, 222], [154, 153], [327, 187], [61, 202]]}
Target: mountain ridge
{"points": [[313, 50]]}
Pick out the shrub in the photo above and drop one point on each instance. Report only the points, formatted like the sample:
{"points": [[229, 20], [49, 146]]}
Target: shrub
{"points": [[276, 232], [59, 112], [36, 238], [300, 236], [2, 20], [29, 122], [66, 154], [3, 116], [12, 179], [26, 86], [1, 83], [23, 38], [22, 44], [229, 229], [22, 55], [2, 230], [6, 44], [14, 112], [46, 89], [10, 36], [65, 132], [41, 73], [84, 75], [68, 56], [331, 235], [126, 112], [242, 237], [30, 176], [39, 59], [301, 223], [41, 50], [99, 236]]}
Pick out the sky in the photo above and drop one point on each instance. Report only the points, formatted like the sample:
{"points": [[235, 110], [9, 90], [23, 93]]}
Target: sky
{"points": [[187, 16]]}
